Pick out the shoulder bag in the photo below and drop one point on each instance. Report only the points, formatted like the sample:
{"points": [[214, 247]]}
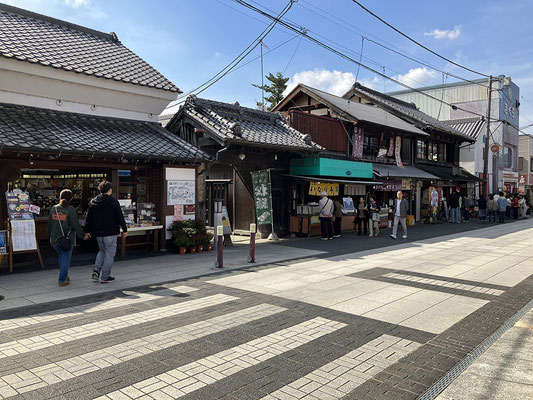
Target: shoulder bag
{"points": [[64, 242]]}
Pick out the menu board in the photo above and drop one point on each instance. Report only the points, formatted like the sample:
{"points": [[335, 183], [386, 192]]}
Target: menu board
{"points": [[180, 192], [3, 242], [23, 235], [18, 205]]}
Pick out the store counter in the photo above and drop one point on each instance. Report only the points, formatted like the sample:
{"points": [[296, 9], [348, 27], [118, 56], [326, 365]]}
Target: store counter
{"points": [[152, 231]]}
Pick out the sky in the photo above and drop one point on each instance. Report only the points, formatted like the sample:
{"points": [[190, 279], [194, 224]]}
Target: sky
{"points": [[190, 41]]}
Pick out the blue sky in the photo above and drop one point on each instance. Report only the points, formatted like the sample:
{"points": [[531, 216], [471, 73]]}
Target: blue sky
{"points": [[191, 40]]}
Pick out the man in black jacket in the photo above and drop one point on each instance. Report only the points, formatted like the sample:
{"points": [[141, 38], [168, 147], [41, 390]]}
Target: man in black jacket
{"points": [[104, 220]]}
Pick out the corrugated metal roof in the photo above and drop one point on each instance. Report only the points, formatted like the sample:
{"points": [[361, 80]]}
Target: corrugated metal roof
{"points": [[469, 126], [393, 171], [361, 112]]}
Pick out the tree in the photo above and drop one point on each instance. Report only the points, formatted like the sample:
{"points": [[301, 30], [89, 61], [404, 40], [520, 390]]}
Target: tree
{"points": [[275, 89]]}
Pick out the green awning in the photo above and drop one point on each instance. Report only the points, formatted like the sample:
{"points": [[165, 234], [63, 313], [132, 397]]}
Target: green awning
{"points": [[331, 167]]}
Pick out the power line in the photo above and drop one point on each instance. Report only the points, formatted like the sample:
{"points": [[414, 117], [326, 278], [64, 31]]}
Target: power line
{"points": [[292, 56], [389, 46], [346, 57], [417, 43], [241, 56]]}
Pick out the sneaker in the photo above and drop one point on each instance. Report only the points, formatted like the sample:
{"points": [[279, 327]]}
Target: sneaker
{"points": [[369, 235], [110, 279], [404, 237], [96, 276], [330, 238], [64, 283], [337, 236], [324, 238], [393, 236]]}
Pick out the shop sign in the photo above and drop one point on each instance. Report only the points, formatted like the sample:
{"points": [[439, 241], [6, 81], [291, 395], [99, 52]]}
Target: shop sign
{"points": [[18, 205], [262, 197], [495, 148], [510, 176], [389, 186], [357, 139], [397, 151], [407, 184], [315, 188], [522, 180], [180, 192]]}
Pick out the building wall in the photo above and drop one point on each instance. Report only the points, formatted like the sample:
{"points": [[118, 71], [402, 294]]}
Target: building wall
{"points": [[40, 86]]}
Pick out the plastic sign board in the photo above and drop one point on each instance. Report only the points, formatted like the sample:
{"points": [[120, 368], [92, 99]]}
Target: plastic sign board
{"points": [[315, 188]]}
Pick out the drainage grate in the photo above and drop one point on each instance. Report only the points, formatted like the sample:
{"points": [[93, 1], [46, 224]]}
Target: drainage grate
{"points": [[452, 374]]}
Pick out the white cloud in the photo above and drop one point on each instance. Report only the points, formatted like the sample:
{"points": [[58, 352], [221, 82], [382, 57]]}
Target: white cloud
{"points": [[417, 77], [445, 33], [335, 82], [76, 3]]}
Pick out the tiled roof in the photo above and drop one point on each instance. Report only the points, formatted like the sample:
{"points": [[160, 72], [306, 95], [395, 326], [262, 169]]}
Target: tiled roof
{"points": [[34, 129], [469, 126], [362, 112], [404, 110], [233, 123], [35, 38]]}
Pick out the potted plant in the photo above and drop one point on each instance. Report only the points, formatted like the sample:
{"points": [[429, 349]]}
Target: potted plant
{"points": [[181, 242], [198, 241], [207, 241]]}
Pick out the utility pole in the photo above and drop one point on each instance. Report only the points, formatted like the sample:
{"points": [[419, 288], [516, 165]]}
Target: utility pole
{"points": [[487, 145], [262, 80]]}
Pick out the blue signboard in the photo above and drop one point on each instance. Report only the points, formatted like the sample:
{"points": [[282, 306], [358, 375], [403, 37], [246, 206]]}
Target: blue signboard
{"points": [[509, 102]]}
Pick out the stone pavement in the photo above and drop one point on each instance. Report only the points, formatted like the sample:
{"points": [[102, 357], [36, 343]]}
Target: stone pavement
{"points": [[504, 371], [384, 323]]}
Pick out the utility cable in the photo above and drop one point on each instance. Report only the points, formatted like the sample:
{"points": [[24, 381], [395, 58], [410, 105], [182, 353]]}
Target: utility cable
{"points": [[418, 43], [241, 56], [348, 58], [360, 58], [290, 59]]}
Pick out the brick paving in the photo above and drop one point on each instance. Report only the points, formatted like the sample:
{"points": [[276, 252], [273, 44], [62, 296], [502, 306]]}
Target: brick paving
{"points": [[381, 324]]}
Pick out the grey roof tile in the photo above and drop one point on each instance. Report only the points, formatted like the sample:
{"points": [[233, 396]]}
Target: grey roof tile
{"points": [[27, 128], [36, 38], [232, 122], [405, 110]]}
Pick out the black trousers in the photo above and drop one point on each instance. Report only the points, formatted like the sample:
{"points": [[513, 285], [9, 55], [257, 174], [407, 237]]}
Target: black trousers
{"points": [[501, 216], [327, 227], [337, 226], [361, 222]]}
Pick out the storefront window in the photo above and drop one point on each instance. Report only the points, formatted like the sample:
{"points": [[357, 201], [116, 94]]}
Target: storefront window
{"points": [[507, 157], [420, 149]]}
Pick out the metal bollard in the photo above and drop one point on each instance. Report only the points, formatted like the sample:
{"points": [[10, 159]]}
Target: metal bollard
{"points": [[219, 263], [253, 230]]}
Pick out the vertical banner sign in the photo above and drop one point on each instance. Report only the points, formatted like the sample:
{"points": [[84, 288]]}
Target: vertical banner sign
{"points": [[263, 205], [357, 141], [397, 151], [390, 153]]}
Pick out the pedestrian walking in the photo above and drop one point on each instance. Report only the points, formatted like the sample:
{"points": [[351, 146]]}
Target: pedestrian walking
{"points": [[523, 207], [492, 208], [502, 208], [482, 209], [509, 205], [337, 218], [326, 214], [467, 208], [104, 220], [453, 201], [63, 226], [515, 206], [400, 215], [461, 207], [373, 222], [361, 221]]}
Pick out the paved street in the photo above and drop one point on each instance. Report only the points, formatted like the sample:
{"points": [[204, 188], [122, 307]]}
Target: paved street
{"points": [[382, 323]]}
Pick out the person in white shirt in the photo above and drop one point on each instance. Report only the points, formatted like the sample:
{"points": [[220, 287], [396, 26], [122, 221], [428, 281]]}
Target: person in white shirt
{"points": [[326, 215], [400, 215]]}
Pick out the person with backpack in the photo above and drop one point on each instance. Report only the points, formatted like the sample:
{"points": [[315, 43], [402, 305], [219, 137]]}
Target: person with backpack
{"points": [[63, 226], [337, 214], [326, 215], [104, 220]]}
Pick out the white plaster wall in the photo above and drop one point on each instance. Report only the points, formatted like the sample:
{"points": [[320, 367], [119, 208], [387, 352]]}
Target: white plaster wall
{"points": [[36, 85]]}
